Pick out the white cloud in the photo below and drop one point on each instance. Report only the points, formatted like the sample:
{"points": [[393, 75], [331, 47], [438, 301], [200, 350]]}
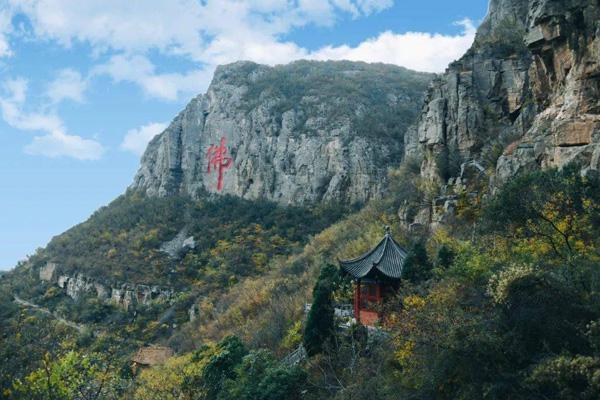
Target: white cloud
{"points": [[140, 70], [177, 27], [415, 50], [68, 85], [136, 140], [55, 142], [372, 6], [5, 30], [133, 25], [11, 106], [59, 144]]}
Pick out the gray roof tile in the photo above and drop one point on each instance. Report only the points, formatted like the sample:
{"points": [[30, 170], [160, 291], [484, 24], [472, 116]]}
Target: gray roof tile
{"points": [[387, 257]]}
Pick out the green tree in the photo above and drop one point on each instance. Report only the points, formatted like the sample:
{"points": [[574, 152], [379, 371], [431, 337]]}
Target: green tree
{"points": [[559, 207], [73, 376], [282, 383], [259, 377], [445, 257], [215, 366], [567, 378], [417, 266], [320, 322]]}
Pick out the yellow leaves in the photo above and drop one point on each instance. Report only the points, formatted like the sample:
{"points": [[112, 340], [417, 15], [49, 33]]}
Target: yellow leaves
{"points": [[580, 246], [549, 210], [531, 248], [445, 295], [470, 262], [163, 382], [106, 236], [413, 302], [259, 260], [442, 237], [222, 247], [293, 337], [563, 225], [52, 292], [32, 319], [206, 307], [122, 236], [278, 242], [151, 235], [405, 352], [112, 253]]}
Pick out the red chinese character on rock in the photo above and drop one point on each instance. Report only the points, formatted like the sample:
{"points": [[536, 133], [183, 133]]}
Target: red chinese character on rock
{"points": [[218, 160]]}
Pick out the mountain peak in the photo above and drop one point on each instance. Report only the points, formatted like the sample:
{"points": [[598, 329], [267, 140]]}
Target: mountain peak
{"points": [[298, 133]]}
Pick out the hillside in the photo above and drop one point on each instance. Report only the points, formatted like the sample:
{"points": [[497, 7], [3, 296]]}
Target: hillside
{"points": [[144, 267]]}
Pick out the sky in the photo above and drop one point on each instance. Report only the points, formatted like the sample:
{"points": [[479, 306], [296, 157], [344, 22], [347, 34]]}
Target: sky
{"points": [[85, 84]]}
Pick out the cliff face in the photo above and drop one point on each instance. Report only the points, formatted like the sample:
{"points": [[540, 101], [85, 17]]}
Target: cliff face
{"points": [[482, 100], [125, 295], [564, 39], [525, 96], [299, 133]]}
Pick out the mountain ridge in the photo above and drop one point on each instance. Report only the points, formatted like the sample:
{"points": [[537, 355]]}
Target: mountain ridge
{"points": [[300, 133]]}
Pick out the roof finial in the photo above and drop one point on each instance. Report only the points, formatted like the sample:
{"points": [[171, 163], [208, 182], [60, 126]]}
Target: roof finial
{"points": [[387, 230]]}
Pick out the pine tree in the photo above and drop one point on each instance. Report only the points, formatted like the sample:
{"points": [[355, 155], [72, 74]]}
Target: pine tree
{"points": [[320, 322], [417, 266]]}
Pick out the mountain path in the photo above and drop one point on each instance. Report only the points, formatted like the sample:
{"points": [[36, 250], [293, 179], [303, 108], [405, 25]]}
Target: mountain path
{"points": [[80, 327]]}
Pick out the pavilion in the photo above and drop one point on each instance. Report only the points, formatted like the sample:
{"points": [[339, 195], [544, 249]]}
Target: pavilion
{"points": [[377, 275]]}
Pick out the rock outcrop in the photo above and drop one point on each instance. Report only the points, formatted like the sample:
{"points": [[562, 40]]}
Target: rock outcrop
{"points": [[483, 100], [47, 271], [300, 133], [125, 295], [525, 96], [179, 245], [564, 39]]}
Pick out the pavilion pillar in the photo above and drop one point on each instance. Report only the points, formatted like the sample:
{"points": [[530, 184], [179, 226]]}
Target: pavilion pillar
{"points": [[357, 300]]}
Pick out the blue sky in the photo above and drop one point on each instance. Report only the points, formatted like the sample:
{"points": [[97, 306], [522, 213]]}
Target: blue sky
{"points": [[85, 84]]}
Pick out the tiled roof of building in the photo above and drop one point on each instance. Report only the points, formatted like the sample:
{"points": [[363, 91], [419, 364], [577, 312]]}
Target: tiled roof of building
{"points": [[387, 258], [152, 355]]}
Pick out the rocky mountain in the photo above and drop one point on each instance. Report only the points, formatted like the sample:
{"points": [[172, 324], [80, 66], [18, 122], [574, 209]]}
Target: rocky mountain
{"points": [[293, 134], [564, 84], [529, 87], [524, 97]]}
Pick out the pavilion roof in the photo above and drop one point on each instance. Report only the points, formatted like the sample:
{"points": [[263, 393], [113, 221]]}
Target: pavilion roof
{"points": [[387, 258]]}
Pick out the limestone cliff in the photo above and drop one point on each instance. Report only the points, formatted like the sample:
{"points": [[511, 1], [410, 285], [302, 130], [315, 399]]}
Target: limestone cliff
{"points": [[564, 39], [526, 96], [482, 101], [299, 133], [125, 295]]}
